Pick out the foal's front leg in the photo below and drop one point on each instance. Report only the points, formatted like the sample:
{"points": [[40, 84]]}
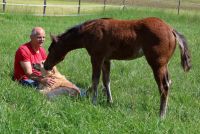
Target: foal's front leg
{"points": [[96, 72], [106, 79]]}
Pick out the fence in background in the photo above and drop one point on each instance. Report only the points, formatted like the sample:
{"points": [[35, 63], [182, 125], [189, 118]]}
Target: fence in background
{"points": [[101, 4], [45, 5]]}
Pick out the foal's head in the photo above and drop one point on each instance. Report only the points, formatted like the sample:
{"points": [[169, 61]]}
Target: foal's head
{"points": [[40, 67], [62, 44], [56, 53]]}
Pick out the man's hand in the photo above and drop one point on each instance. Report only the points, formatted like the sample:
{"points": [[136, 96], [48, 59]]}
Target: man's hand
{"points": [[49, 81]]}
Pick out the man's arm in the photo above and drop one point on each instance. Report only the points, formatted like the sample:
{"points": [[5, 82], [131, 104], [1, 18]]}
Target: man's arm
{"points": [[28, 71]]}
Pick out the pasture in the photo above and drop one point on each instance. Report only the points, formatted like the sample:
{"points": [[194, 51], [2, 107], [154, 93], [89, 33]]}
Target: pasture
{"points": [[135, 94]]}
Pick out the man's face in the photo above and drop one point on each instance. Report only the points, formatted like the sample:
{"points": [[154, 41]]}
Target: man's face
{"points": [[38, 39]]}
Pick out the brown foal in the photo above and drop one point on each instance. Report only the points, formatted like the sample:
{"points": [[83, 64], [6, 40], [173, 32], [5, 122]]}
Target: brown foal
{"points": [[106, 39]]}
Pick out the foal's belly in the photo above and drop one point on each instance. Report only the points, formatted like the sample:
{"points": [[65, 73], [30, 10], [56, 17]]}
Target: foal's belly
{"points": [[126, 54]]}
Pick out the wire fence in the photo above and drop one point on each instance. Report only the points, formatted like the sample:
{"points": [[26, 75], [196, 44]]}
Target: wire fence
{"points": [[77, 7]]}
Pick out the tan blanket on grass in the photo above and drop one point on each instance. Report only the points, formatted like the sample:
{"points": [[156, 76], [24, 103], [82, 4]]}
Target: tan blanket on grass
{"points": [[61, 85]]}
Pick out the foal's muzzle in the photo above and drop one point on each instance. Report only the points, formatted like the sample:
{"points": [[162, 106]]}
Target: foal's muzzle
{"points": [[46, 67]]}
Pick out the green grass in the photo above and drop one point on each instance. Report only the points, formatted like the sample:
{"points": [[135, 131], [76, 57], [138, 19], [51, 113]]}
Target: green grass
{"points": [[136, 98]]}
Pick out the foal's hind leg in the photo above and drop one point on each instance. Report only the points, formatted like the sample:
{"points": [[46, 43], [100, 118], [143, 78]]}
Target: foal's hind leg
{"points": [[106, 79], [163, 82]]}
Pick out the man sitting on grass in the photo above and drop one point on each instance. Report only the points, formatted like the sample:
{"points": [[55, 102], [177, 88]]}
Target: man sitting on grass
{"points": [[27, 56]]}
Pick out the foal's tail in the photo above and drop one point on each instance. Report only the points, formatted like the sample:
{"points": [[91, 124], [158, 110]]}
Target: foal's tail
{"points": [[185, 55]]}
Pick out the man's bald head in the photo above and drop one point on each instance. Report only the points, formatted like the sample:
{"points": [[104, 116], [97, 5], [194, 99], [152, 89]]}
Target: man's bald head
{"points": [[37, 37], [37, 30]]}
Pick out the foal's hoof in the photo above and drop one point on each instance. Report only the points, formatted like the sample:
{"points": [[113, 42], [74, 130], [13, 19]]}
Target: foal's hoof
{"points": [[94, 101], [110, 101], [162, 116]]}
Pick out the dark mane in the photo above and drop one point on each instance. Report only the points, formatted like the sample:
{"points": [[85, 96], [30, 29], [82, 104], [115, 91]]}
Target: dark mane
{"points": [[72, 30], [78, 29], [105, 18]]}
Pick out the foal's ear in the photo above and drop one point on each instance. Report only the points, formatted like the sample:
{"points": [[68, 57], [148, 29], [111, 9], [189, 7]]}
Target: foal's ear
{"points": [[54, 38]]}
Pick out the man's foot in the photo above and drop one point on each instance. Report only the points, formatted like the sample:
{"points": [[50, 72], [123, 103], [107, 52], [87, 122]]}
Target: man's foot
{"points": [[83, 93]]}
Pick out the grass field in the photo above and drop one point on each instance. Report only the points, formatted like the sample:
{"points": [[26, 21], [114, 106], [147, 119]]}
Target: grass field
{"points": [[136, 98]]}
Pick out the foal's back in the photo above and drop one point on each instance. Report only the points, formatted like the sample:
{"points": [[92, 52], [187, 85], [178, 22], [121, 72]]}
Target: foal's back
{"points": [[127, 39]]}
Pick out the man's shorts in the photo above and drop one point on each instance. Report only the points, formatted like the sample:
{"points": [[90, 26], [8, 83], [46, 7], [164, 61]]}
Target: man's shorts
{"points": [[30, 83]]}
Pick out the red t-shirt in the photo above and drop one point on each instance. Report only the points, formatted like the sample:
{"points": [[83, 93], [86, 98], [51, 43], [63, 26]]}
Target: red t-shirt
{"points": [[26, 53]]}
